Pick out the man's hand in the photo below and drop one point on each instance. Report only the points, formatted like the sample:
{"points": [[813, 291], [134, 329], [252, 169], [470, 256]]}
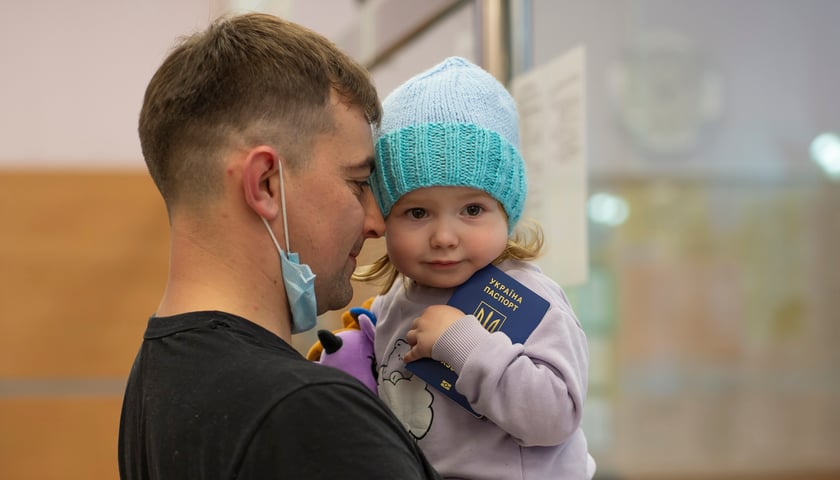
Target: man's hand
{"points": [[427, 328]]}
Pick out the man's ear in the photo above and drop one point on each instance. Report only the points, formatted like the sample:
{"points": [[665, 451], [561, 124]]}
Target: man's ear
{"points": [[261, 181]]}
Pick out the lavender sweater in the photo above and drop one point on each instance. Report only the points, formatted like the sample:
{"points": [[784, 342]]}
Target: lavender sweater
{"points": [[531, 396]]}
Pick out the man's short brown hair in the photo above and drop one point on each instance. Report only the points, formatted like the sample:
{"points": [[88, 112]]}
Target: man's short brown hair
{"points": [[254, 77]]}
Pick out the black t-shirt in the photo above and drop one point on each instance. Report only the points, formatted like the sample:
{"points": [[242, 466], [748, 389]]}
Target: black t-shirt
{"points": [[214, 396]]}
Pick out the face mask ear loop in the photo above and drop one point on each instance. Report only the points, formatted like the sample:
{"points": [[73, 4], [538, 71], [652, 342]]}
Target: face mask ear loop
{"points": [[285, 225], [283, 207]]}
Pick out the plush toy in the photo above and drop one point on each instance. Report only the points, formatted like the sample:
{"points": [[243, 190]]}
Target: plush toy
{"points": [[350, 348]]}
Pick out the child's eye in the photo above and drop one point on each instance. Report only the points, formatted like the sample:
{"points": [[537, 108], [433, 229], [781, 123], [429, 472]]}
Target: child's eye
{"points": [[417, 213], [473, 210]]}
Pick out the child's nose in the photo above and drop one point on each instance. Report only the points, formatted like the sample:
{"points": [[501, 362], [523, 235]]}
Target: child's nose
{"points": [[444, 235]]}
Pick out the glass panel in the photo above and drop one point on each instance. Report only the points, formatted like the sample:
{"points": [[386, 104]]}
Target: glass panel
{"points": [[713, 295]]}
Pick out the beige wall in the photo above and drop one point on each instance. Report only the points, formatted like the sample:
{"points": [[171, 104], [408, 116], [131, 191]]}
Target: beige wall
{"points": [[83, 260], [74, 74]]}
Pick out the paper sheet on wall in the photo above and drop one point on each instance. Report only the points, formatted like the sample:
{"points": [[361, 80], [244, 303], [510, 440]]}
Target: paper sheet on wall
{"points": [[552, 107]]}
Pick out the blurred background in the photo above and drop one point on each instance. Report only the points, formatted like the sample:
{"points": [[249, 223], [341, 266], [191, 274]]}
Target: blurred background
{"points": [[710, 214]]}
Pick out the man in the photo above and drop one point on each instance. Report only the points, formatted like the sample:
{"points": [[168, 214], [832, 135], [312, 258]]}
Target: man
{"points": [[257, 132]]}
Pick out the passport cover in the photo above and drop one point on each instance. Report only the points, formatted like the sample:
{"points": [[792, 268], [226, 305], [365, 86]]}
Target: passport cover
{"points": [[501, 304]]}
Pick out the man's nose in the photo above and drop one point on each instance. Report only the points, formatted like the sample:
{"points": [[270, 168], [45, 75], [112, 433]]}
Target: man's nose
{"points": [[374, 226]]}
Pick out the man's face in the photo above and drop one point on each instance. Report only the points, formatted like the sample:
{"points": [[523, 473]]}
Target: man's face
{"points": [[330, 207]]}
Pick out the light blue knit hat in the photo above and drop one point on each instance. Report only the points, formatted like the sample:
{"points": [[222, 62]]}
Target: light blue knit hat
{"points": [[452, 125]]}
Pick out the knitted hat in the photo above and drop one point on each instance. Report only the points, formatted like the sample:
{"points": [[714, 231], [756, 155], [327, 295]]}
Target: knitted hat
{"points": [[452, 125]]}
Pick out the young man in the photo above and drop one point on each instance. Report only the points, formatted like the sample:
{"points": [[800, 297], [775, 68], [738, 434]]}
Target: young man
{"points": [[257, 132]]}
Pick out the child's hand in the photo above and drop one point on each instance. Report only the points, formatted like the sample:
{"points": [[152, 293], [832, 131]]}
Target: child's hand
{"points": [[427, 328]]}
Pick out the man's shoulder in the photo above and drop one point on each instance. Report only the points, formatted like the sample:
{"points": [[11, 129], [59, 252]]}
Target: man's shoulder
{"points": [[219, 355], [358, 430]]}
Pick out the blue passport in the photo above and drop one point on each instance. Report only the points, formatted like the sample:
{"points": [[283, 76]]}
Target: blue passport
{"points": [[501, 304]]}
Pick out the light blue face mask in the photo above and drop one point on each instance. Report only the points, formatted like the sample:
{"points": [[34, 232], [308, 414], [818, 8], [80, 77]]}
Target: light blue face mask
{"points": [[297, 277]]}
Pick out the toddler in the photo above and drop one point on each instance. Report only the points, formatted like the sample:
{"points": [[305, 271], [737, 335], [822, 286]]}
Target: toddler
{"points": [[451, 184]]}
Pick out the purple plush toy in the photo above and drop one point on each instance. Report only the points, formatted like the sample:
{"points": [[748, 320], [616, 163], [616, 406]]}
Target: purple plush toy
{"points": [[351, 350]]}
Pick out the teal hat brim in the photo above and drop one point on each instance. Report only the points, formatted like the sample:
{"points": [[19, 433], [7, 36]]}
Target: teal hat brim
{"points": [[449, 154]]}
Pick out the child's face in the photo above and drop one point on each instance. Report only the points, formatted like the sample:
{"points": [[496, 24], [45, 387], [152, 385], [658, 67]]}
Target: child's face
{"points": [[440, 236]]}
